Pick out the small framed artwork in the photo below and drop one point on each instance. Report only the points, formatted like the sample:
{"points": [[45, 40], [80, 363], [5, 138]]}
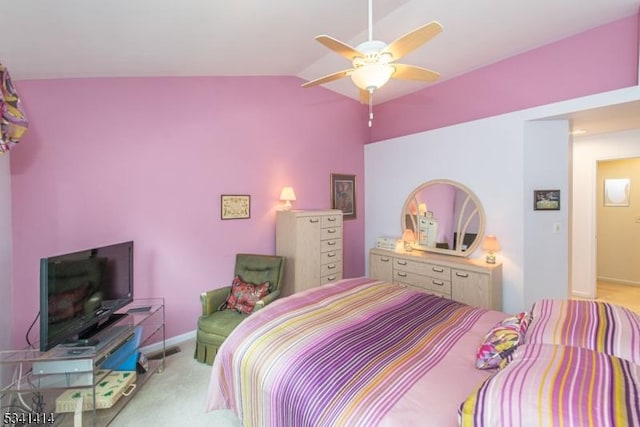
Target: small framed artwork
{"points": [[616, 192], [235, 206], [343, 194], [546, 200]]}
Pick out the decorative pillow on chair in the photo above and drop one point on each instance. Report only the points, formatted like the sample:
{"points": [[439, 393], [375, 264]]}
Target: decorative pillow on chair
{"points": [[501, 341], [244, 296]]}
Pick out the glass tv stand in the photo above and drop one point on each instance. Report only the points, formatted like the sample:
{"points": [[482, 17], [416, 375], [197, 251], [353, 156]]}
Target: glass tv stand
{"points": [[73, 385]]}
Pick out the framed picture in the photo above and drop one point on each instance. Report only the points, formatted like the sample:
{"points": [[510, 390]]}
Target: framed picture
{"points": [[546, 200], [343, 194], [616, 192], [235, 206]]}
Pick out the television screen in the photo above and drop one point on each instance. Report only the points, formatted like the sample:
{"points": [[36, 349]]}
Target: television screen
{"points": [[80, 291]]}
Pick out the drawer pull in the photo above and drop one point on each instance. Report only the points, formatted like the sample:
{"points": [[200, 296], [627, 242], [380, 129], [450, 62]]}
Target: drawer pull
{"points": [[331, 254], [331, 243], [401, 262], [331, 219], [331, 230], [314, 220], [438, 269], [384, 259], [331, 277], [402, 274], [331, 266], [462, 274], [437, 282]]}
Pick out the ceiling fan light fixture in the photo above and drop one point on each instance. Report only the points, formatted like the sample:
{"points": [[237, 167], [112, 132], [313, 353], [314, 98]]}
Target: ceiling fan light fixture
{"points": [[371, 47], [372, 76], [385, 58]]}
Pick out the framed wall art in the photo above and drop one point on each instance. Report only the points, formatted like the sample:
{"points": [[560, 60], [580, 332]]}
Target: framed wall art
{"points": [[616, 192], [343, 194], [235, 206], [546, 200]]}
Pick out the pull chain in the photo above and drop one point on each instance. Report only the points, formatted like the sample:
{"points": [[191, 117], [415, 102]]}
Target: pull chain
{"points": [[371, 107]]}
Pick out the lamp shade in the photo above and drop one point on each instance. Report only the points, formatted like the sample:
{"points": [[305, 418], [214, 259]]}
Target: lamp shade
{"points": [[287, 194], [490, 243], [371, 76], [408, 236]]}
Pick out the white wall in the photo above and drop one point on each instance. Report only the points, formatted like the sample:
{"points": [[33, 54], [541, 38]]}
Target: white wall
{"points": [[502, 159], [481, 155], [587, 151], [546, 243], [5, 253]]}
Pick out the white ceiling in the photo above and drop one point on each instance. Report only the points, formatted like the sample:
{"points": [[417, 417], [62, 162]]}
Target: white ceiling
{"points": [[42, 39], [615, 118]]}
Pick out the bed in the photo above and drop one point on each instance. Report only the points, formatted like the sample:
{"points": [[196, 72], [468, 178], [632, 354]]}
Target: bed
{"points": [[362, 352]]}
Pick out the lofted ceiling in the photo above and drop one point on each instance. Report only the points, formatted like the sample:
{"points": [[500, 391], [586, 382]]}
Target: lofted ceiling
{"points": [[90, 38], [595, 121]]}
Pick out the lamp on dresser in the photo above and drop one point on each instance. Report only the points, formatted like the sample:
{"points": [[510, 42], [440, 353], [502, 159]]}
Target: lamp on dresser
{"points": [[287, 196], [491, 245], [408, 237]]}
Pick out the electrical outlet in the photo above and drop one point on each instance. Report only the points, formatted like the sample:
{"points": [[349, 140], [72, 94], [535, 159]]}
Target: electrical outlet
{"points": [[556, 228]]}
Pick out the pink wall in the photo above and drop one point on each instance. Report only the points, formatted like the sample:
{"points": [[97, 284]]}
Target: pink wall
{"points": [[108, 160], [599, 60]]}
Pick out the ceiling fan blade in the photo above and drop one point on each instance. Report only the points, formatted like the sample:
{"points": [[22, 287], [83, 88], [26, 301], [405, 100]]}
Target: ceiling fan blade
{"points": [[412, 40], [364, 96], [328, 78], [412, 72], [339, 47]]}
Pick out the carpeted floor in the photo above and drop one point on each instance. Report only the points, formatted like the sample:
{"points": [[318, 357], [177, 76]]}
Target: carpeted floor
{"points": [[175, 397]]}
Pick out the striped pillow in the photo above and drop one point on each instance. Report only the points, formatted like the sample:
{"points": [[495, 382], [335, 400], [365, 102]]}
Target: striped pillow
{"points": [[553, 385], [594, 325]]}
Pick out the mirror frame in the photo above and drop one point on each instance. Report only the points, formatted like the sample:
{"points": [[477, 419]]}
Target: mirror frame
{"points": [[460, 227]]}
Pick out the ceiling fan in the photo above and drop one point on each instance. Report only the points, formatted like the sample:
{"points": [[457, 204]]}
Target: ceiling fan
{"points": [[373, 61]]}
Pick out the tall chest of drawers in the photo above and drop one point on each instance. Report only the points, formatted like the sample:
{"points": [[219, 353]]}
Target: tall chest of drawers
{"points": [[311, 241], [469, 281]]}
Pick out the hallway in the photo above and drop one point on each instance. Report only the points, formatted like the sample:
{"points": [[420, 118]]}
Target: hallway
{"points": [[624, 295]]}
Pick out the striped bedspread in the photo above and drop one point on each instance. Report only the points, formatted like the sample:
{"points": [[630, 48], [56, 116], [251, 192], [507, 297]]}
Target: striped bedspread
{"points": [[553, 385], [345, 354]]}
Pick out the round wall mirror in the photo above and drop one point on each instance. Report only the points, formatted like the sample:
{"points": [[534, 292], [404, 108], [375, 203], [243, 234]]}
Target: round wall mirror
{"points": [[445, 217]]}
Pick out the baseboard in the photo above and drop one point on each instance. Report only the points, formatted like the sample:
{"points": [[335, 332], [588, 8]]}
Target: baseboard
{"points": [[617, 281], [581, 294], [169, 342]]}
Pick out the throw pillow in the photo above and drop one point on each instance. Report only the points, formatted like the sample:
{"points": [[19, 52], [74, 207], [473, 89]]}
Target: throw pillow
{"points": [[244, 296], [501, 341]]}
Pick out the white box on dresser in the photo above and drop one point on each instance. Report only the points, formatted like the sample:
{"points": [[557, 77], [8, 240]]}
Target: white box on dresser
{"points": [[311, 241], [471, 281]]}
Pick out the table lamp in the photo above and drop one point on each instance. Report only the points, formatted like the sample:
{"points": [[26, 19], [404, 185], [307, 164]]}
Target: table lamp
{"points": [[287, 196], [491, 245], [408, 238]]}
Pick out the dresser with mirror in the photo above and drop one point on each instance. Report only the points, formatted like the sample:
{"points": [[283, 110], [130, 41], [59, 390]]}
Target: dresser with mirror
{"points": [[447, 224]]}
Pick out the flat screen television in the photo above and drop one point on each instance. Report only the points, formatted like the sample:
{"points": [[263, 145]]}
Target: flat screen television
{"points": [[81, 291]]}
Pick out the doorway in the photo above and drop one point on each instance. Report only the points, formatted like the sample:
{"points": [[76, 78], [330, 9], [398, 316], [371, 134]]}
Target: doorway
{"points": [[617, 225], [587, 197]]}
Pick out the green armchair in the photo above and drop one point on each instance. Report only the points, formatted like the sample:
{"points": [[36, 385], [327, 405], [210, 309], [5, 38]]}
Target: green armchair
{"points": [[214, 325]]}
